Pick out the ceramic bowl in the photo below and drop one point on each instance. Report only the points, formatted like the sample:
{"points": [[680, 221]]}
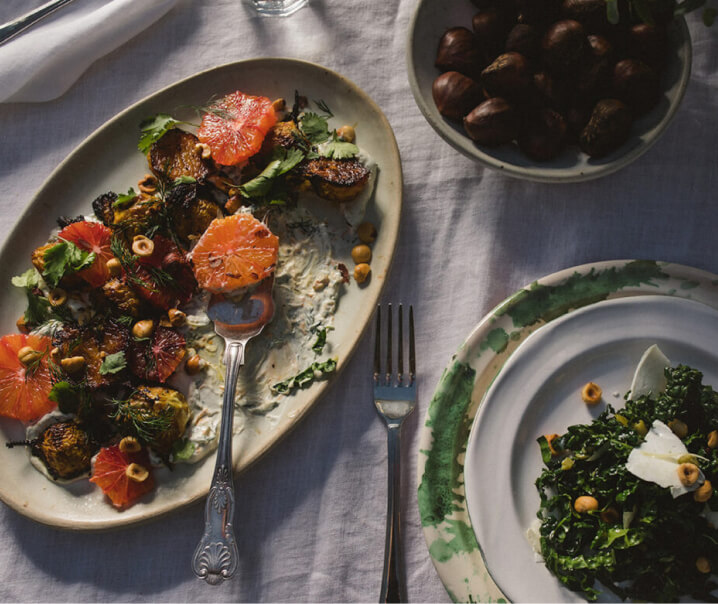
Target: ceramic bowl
{"points": [[433, 17]]}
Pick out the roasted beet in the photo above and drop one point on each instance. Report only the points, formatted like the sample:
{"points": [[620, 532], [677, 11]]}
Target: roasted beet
{"points": [[544, 135], [564, 47], [493, 123], [637, 85], [455, 94], [459, 51], [608, 128], [507, 76]]}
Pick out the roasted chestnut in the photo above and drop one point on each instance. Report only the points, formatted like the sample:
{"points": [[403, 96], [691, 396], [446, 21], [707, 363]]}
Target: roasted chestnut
{"points": [[637, 85], [537, 11], [576, 119], [608, 128], [549, 92], [648, 43], [455, 94], [507, 76], [594, 80], [524, 39], [459, 51], [493, 123], [564, 47], [490, 30], [544, 135], [590, 13]]}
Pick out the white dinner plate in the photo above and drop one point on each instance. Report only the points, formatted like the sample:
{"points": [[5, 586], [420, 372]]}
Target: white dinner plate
{"points": [[480, 362], [109, 160], [539, 392]]}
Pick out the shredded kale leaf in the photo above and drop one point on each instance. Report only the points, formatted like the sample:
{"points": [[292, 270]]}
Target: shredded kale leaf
{"points": [[641, 543], [304, 378]]}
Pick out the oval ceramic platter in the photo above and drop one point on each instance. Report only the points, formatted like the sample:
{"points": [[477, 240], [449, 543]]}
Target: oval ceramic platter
{"points": [[109, 160], [433, 17], [616, 309]]}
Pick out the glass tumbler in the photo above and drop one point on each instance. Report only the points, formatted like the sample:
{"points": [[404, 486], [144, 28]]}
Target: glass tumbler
{"points": [[276, 8]]}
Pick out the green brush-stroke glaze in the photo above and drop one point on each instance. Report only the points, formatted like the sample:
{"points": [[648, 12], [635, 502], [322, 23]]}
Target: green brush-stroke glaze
{"points": [[690, 284], [544, 302], [497, 339], [447, 417], [462, 540]]}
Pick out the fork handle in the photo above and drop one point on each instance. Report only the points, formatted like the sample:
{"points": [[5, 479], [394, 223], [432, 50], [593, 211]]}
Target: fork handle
{"points": [[392, 584]]}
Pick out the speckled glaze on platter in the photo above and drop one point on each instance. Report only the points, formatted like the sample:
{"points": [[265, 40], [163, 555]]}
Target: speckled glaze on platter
{"points": [[108, 160], [433, 17], [443, 442]]}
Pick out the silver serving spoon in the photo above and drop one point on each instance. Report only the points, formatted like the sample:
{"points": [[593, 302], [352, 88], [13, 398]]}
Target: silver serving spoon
{"points": [[13, 28], [237, 321]]}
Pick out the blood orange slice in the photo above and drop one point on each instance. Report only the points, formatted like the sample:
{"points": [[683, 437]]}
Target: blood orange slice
{"points": [[91, 237], [113, 471], [235, 126], [234, 252], [157, 359], [24, 389]]}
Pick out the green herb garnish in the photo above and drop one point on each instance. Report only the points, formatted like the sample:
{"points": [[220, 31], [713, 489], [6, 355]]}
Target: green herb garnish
{"points": [[308, 376], [113, 363], [64, 257], [153, 129]]}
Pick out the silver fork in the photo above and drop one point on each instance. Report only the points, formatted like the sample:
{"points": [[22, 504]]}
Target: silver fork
{"points": [[395, 399]]}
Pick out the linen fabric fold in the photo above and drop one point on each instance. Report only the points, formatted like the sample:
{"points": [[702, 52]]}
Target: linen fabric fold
{"points": [[43, 62]]}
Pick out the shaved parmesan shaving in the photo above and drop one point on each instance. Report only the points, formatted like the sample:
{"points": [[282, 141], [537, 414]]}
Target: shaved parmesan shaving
{"points": [[650, 377], [657, 460]]}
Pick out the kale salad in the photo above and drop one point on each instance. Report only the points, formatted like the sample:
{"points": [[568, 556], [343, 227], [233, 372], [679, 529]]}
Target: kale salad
{"points": [[643, 538]]}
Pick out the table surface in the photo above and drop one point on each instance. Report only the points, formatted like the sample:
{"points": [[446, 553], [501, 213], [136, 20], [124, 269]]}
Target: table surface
{"points": [[315, 505]]}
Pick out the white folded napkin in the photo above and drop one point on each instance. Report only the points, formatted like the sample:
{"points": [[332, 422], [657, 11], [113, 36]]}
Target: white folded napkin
{"points": [[44, 61]]}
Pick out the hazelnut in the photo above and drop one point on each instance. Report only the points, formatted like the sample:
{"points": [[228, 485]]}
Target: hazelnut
{"points": [[585, 503], [361, 272], [21, 324], [366, 232], [143, 329], [28, 355], [73, 364], [136, 472], [361, 253], [204, 150], [704, 492], [129, 444], [176, 317], [346, 133], [549, 440], [688, 473], [703, 565], [148, 184], [57, 297], [114, 267], [233, 204], [279, 105], [194, 364], [591, 393], [142, 246], [679, 428], [713, 439]]}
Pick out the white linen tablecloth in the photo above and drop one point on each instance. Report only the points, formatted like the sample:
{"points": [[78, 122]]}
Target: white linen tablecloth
{"points": [[315, 505]]}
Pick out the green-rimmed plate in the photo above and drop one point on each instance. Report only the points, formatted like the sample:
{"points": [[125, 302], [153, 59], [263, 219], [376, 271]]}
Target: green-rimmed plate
{"points": [[442, 497]]}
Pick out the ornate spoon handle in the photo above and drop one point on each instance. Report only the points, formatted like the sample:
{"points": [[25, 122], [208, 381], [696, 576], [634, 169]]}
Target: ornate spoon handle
{"points": [[13, 28], [216, 556]]}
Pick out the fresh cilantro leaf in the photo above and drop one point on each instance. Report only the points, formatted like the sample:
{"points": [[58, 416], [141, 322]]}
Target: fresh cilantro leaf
{"points": [[304, 378], [338, 149], [283, 161], [183, 449], [38, 309], [315, 127], [113, 363], [153, 129], [125, 200], [30, 279], [64, 257]]}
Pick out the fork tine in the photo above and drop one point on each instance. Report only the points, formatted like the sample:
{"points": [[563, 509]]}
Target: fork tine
{"points": [[388, 346], [400, 355], [377, 344], [412, 357]]}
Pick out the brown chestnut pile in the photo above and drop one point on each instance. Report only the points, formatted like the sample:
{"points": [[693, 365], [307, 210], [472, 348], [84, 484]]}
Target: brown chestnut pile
{"points": [[549, 73]]}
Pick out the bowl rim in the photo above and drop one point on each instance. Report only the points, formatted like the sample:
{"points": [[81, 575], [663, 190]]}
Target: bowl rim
{"points": [[538, 172]]}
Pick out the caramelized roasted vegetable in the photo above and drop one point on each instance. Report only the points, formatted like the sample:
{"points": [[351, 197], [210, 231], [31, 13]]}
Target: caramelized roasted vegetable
{"points": [[93, 343], [190, 210], [336, 179], [121, 296], [156, 415], [66, 449], [286, 135], [178, 154]]}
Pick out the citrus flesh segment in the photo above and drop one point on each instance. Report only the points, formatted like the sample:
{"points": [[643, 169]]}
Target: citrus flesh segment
{"points": [[235, 126], [24, 390], [91, 237], [157, 359], [234, 252], [109, 472]]}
